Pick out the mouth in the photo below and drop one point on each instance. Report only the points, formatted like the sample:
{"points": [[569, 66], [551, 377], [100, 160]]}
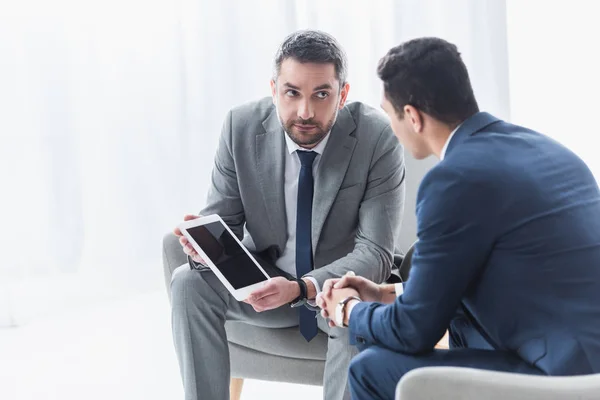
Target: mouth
{"points": [[305, 128]]}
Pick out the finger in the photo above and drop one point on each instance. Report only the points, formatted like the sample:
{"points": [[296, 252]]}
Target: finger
{"points": [[267, 303], [188, 217], [256, 308], [319, 299], [332, 324], [198, 259], [324, 313], [341, 283], [267, 290], [346, 281], [194, 256], [189, 250], [187, 247], [328, 286]]}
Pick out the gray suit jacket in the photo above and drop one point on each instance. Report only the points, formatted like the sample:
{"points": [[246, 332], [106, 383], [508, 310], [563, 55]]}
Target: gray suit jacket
{"points": [[358, 195]]}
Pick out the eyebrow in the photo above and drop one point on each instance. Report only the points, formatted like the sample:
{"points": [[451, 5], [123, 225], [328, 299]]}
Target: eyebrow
{"points": [[291, 86], [323, 87], [320, 87]]}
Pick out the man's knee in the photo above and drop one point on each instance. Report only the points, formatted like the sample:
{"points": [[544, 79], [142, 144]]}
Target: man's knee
{"points": [[362, 369], [374, 373], [190, 284], [184, 279], [363, 362]]}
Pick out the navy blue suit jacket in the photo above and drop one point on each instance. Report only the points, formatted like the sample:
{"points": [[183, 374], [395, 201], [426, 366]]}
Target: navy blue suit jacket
{"points": [[509, 228]]}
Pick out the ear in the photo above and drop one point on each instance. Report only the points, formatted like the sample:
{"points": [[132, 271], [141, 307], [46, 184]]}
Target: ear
{"points": [[344, 95], [414, 117], [274, 91]]}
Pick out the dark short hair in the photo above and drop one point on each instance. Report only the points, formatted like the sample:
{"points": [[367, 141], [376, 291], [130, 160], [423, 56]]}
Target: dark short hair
{"points": [[310, 46], [430, 75]]}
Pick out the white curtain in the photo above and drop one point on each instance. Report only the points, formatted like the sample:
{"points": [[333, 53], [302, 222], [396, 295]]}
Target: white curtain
{"points": [[110, 112]]}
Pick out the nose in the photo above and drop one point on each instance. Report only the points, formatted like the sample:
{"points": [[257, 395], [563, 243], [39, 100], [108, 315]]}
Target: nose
{"points": [[305, 110]]}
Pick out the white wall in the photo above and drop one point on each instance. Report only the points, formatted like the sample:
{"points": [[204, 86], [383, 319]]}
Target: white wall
{"points": [[554, 71]]}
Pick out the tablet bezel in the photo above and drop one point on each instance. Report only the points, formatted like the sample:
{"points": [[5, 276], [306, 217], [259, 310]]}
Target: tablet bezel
{"points": [[240, 294]]}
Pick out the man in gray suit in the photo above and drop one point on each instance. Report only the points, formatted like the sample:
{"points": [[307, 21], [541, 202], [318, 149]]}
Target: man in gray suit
{"points": [[319, 187]]}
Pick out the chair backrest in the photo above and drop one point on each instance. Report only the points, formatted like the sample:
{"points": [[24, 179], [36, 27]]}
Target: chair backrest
{"points": [[404, 269], [415, 171]]}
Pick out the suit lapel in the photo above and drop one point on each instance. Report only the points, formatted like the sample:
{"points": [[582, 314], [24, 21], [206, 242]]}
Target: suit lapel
{"points": [[270, 157], [332, 169]]}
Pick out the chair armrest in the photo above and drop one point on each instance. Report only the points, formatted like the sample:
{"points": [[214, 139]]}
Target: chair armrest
{"points": [[453, 383], [173, 257]]}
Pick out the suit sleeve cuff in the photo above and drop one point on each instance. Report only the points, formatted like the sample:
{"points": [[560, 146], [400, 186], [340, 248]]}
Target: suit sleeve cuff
{"points": [[196, 265], [359, 324]]}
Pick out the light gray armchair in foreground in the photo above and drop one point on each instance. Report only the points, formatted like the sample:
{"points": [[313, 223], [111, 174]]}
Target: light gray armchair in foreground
{"points": [[452, 383]]}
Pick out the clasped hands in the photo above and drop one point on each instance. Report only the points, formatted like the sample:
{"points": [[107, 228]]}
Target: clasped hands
{"points": [[336, 290]]}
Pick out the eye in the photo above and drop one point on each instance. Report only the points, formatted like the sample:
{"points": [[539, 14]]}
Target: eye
{"points": [[291, 93], [322, 95]]}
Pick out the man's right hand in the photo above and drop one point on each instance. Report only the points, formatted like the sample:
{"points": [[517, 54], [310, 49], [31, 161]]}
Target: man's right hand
{"points": [[185, 244]]}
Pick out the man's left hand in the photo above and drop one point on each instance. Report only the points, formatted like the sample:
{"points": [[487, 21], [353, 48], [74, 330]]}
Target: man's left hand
{"points": [[275, 293], [328, 302]]}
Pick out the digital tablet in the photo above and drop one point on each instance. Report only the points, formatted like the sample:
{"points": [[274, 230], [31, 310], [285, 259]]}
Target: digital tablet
{"points": [[225, 255]]}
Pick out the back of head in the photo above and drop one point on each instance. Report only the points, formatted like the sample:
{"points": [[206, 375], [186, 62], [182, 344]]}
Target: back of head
{"points": [[312, 46], [428, 74]]}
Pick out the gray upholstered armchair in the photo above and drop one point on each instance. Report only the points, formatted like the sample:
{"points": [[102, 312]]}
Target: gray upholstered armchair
{"points": [[453, 383], [286, 358]]}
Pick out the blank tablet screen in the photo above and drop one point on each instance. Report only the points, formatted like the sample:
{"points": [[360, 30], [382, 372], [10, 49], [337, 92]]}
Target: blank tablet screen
{"points": [[228, 256]]}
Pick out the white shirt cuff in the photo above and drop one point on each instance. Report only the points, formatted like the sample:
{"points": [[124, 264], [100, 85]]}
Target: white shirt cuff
{"points": [[349, 312], [313, 302], [399, 288]]}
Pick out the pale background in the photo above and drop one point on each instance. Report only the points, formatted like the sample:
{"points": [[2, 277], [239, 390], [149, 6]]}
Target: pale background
{"points": [[109, 116]]}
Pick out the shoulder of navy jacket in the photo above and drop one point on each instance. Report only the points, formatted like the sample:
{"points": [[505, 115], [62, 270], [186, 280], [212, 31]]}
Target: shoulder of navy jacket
{"points": [[470, 126]]}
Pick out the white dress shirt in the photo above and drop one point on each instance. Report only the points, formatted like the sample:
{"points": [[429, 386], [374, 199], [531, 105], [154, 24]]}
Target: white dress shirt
{"points": [[443, 153], [287, 261]]}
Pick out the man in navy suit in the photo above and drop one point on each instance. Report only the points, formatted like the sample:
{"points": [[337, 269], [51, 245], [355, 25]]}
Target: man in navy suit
{"points": [[508, 252]]}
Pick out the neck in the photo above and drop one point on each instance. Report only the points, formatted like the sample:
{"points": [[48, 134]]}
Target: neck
{"points": [[440, 137], [438, 141]]}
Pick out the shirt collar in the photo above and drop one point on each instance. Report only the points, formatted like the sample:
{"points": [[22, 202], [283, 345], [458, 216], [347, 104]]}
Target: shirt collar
{"points": [[443, 153]]}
